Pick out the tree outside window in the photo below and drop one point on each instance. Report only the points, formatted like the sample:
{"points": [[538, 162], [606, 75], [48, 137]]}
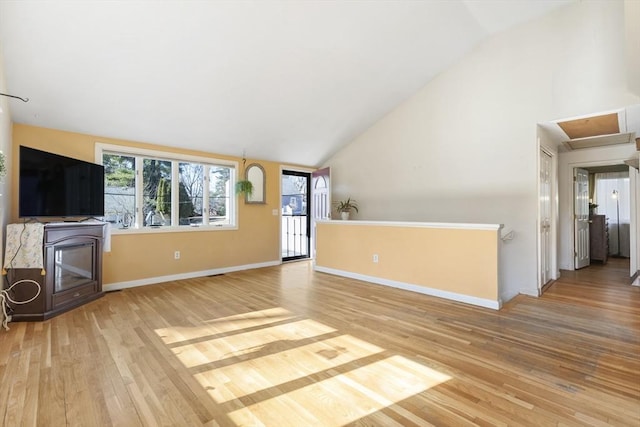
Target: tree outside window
{"points": [[191, 193], [156, 173]]}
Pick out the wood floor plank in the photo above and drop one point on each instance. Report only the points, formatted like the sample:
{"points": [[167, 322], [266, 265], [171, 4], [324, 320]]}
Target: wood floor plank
{"points": [[285, 346]]}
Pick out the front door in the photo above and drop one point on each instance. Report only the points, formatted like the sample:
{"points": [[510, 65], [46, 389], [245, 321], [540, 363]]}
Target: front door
{"points": [[581, 217], [321, 200], [296, 225]]}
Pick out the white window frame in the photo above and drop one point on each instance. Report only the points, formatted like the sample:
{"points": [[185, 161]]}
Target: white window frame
{"points": [[140, 153]]}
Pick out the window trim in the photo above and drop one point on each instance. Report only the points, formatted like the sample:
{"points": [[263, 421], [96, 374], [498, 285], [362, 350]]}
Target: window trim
{"points": [[139, 153]]}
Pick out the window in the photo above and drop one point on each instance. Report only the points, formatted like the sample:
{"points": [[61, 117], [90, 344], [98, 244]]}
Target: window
{"points": [[119, 189], [152, 190], [156, 192], [219, 188], [190, 195]]}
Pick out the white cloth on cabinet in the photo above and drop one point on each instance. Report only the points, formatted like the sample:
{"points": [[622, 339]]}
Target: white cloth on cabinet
{"points": [[24, 246]]}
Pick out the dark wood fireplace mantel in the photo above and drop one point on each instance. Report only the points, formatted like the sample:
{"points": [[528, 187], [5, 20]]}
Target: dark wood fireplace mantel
{"points": [[73, 271]]}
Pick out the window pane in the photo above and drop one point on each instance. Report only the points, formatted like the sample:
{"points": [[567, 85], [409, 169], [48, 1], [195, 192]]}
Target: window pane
{"points": [[156, 195], [119, 189], [191, 193], [219, 197], [294, 195]]}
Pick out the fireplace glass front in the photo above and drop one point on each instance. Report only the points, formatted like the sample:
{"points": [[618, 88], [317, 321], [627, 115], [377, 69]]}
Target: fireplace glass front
{"points": [[73, 266]]}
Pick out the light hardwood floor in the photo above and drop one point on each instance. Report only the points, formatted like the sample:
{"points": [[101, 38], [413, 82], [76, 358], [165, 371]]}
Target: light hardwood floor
{"points": [[285, 346]]}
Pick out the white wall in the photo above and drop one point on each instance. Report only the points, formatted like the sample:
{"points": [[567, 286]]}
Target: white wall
{"points": [[632, 18], [464, 148], [5, 147]]}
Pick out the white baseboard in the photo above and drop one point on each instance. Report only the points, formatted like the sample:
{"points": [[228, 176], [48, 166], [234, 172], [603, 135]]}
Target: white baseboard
{"points": [[482, 302], [190, 275], [530, 292]]}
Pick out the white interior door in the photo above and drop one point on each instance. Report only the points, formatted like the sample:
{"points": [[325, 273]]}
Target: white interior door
{"points": [[545, 218], [581, 217]]}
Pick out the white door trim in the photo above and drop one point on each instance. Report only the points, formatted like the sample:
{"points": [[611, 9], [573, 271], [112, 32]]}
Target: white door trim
{"points": [[546, 267], [553, 246]]}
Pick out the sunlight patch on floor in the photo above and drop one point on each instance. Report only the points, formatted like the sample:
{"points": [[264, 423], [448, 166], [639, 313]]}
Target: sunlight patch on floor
{"points": [[176, 334], [263, 341], [270, 367], [280, 367], [344, 398]]}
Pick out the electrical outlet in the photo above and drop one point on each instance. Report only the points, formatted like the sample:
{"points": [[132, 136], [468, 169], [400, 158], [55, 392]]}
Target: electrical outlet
{"points": [[375, 258], [176, 255]]}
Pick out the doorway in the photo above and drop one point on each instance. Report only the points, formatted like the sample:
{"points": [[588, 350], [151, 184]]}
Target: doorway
{"points": [[295, 220], [562, 237], [610, 215], [591, 148]]}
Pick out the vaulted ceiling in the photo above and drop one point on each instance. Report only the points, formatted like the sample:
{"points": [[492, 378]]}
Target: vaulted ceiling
{"points": [[290, 81]]}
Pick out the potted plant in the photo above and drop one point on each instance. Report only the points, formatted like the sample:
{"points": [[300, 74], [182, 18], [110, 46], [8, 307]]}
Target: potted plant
{"points": [[244, 186], [345, 207]]}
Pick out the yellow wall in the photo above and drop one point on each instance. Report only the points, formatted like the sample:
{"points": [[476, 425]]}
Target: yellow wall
{"points": [[461, 261], [143, 256]]}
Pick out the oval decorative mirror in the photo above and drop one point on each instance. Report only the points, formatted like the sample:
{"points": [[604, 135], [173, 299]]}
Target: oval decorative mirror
{"points": [[255, 174]]}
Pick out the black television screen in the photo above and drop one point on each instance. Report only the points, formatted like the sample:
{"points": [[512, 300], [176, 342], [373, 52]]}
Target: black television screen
{"points": [[57, 186]]}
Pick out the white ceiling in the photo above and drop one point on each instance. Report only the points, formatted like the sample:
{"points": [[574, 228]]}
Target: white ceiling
{"points": [[289, 81]]}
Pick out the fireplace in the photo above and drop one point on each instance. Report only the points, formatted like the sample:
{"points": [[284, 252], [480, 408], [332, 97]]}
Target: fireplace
{"points": [[73, 266]]}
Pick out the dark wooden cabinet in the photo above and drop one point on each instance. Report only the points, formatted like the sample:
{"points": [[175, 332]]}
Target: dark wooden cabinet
{"points": [[73, 271], [598, 238]]}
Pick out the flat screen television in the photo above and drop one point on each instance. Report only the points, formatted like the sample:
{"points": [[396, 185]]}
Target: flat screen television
{"points": [[57, 186]]}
